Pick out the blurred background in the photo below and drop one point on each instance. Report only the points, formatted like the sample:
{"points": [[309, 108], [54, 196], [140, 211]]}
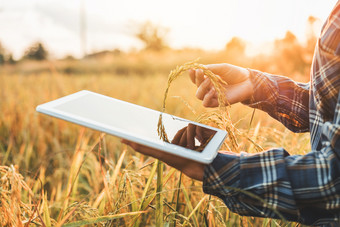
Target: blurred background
{"points": [[53, 172], [234, 31]]}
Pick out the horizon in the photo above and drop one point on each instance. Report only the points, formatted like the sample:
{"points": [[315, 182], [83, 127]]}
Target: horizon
{"points": [[191, 24]]}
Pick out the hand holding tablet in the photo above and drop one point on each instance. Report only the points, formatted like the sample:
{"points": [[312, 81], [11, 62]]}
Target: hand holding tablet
{"points": [[137, 124]]}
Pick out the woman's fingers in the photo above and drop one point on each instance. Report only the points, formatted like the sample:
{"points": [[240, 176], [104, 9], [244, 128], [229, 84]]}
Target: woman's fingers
{"points": [[178, 136], [196, 76], [191, 136], [199, 77], [207, 93], [144, 149], [183, 141], [203, 89], [210, 99], [199, 133], [192, 75]]}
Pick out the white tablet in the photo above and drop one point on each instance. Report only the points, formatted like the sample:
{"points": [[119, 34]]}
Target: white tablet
{"points": [[138, 124]]}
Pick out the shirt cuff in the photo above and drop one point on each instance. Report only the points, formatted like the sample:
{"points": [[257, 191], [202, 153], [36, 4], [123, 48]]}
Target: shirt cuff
{"points": [[265, 91], [221, 177]]}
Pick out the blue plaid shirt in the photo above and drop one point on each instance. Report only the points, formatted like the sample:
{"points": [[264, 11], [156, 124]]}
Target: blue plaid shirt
{"points": [[302, 188]]}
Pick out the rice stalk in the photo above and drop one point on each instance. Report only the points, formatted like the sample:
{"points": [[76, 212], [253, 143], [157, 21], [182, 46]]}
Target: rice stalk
{"points": [[147, 186], [8, 150], [144, 200], [189, 206], [78, 160], [46, 213], [132, 193], [79, 211], [121, 191], [196, 208], [186, 104], [176, 195], [220, 118], [106, 218], [217, 82], [159, 195], [113, 178], [74, 171], [105, 181], [218, 214], [66, 217], [13, 211]]}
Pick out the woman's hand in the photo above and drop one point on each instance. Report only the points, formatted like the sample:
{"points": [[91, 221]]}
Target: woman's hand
{"points": [[189, 167], [239, 86], [239, 89], [187, 136]]}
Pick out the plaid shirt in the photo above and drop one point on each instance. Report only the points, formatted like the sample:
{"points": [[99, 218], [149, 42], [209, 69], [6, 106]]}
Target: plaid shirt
{"points": [[301, 188]]}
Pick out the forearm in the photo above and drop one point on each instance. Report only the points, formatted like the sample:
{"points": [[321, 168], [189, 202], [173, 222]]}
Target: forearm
{"points": [[282, 98], [274, 184], [250, 187]]}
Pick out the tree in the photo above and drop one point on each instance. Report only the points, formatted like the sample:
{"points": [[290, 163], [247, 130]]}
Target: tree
{"points": [[236, 46], [5, 56], [2, 55], [235, 50], [36, 52], [10, 59], [288, 55], [152, 36]]}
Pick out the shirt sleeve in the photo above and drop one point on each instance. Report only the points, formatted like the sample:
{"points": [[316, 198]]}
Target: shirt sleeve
{"points": [[302, 188], [282, 98]]}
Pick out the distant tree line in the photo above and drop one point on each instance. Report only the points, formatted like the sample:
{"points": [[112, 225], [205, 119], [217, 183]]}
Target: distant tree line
{"points": [[152, 36], [5, 57], [36, 51], [288, 55]]}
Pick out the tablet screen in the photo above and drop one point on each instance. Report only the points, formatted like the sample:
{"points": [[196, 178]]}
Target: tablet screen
{"points": [[139, 121]]}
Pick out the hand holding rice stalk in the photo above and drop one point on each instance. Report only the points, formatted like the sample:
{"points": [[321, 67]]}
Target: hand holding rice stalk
{"points": [[220, 118], [214, 91]]}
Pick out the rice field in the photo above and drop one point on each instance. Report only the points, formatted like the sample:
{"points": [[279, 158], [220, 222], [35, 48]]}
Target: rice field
{"points": [[54, 173]]}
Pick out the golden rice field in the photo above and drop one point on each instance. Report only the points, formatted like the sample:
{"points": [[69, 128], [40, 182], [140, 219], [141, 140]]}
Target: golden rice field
{"points": [[54, 173]]}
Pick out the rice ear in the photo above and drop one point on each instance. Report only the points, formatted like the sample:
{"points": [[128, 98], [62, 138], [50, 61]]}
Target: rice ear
{"points": [[223, 121], [219, 118]]}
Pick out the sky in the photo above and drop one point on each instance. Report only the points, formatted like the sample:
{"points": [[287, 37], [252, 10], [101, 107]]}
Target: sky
{"points": [[111, 24]]}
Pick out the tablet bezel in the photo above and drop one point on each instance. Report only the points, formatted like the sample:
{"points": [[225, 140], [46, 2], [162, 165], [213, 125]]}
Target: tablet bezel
{"points": [[206, 156]]}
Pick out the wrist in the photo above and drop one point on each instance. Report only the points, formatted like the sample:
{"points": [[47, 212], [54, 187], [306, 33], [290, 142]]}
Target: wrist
{"points": [[195, 171], [249, 86]]}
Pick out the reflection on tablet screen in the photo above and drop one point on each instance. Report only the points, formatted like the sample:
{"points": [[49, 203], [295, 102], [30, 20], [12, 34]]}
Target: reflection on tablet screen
{"points": [[192, 136], [137, 121]]}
